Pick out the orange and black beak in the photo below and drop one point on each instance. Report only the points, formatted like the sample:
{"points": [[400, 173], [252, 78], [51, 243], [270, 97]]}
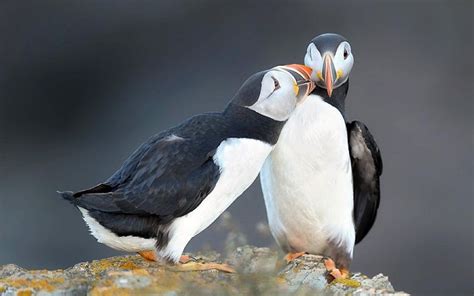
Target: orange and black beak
{"points": [[329, 73], [303, 83]]}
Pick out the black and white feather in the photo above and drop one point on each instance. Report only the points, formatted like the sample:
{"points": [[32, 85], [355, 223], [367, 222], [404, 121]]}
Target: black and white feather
{"points": [[321, 183], [180, 180], [366, 171]]}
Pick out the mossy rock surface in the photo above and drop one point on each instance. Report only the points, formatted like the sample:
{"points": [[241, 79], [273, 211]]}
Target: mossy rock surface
{"points": [[260, 271]]}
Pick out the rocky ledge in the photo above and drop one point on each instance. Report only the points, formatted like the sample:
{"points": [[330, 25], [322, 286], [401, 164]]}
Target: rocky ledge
{"points": [[259, 271]]}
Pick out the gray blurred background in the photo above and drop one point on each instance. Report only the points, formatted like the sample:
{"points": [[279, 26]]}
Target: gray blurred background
{"points": [[83, 83]]}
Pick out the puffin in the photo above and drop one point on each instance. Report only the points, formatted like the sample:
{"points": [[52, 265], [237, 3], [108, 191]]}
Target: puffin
{"points": [[321, 183], [180, 180]]}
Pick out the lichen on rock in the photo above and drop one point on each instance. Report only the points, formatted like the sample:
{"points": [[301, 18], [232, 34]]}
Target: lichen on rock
{"points": [[260, 271]]}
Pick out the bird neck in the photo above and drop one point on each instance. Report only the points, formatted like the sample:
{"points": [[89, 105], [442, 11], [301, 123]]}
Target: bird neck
{"points": [[246, 123], [338, 98]]}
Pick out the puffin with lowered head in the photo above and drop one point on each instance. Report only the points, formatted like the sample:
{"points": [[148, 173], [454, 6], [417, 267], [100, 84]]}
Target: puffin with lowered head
{"points": [[321, 183], [179, 181]]}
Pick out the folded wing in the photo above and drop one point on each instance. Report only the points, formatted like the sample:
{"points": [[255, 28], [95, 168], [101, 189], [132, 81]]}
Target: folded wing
{"points": [[168, 176], [366, 170]]}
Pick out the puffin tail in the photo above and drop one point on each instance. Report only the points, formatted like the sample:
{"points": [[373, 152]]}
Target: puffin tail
{"points": [[67, 195]]}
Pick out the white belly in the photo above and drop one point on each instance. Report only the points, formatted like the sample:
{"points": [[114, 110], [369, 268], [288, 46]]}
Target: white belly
{"points": [[307, 181], [240, 161]]}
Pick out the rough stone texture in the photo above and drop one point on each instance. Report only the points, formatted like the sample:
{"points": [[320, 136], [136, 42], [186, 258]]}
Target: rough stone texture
{"points": [[260, 271]]}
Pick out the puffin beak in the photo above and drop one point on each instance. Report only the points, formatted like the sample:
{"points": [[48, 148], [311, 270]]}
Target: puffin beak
{"points": [[302, 74], [329, 73]]}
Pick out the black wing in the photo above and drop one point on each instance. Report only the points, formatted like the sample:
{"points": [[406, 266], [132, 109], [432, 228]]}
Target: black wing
{"points": [[168, 176], [366, 171]]}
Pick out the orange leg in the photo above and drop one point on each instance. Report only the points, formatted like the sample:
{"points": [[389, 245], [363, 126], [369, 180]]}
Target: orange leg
{"points": [[184, 259], [151, 256], [148, 255], [188, 265], [292, 256], [342, 273]]}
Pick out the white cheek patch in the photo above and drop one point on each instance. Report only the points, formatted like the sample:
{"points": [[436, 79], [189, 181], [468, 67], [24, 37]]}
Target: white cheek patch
{"points": [[313, 60], [276, 104], [341, 63], [266, 88], [278, 107]]}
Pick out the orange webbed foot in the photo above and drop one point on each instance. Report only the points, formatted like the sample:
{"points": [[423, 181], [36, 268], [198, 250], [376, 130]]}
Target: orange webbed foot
{"points": [[187, 263], [148, 255], [292, 256], [336, 273], [184, 259]]}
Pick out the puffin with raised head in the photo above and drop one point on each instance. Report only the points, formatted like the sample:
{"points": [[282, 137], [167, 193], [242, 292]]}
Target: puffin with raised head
{"points": [[180, 180], [321, 183]]}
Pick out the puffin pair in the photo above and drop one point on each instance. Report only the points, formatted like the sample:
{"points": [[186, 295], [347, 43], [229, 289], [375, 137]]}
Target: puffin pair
{"points": [[320, 176], [321, 183], [180, 180]]}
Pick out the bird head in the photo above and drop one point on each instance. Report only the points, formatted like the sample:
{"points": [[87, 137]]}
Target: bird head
{"points": [[275, 93], [330, 57]]}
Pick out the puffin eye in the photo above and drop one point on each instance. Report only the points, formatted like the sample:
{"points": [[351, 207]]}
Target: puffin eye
{"points": [[346, 53], [276, 83]]}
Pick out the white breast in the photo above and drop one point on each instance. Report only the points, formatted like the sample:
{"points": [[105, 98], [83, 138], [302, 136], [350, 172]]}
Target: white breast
{"points": [[307, 181], [240, 161]]}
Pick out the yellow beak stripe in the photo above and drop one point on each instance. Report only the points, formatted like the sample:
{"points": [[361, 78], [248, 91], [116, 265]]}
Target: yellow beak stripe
{"points": [[296, 89]]}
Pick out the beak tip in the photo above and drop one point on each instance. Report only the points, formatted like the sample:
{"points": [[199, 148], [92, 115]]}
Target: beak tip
{"points": [[328, 74]]}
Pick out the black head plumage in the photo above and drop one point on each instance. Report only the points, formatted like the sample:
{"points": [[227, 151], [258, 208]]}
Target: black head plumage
{"points": [[249, 92], [328, 42]]}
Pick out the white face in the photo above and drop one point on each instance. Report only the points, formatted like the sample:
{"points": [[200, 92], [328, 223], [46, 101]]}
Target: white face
{"points": [[341, 61], [278, 95]]}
